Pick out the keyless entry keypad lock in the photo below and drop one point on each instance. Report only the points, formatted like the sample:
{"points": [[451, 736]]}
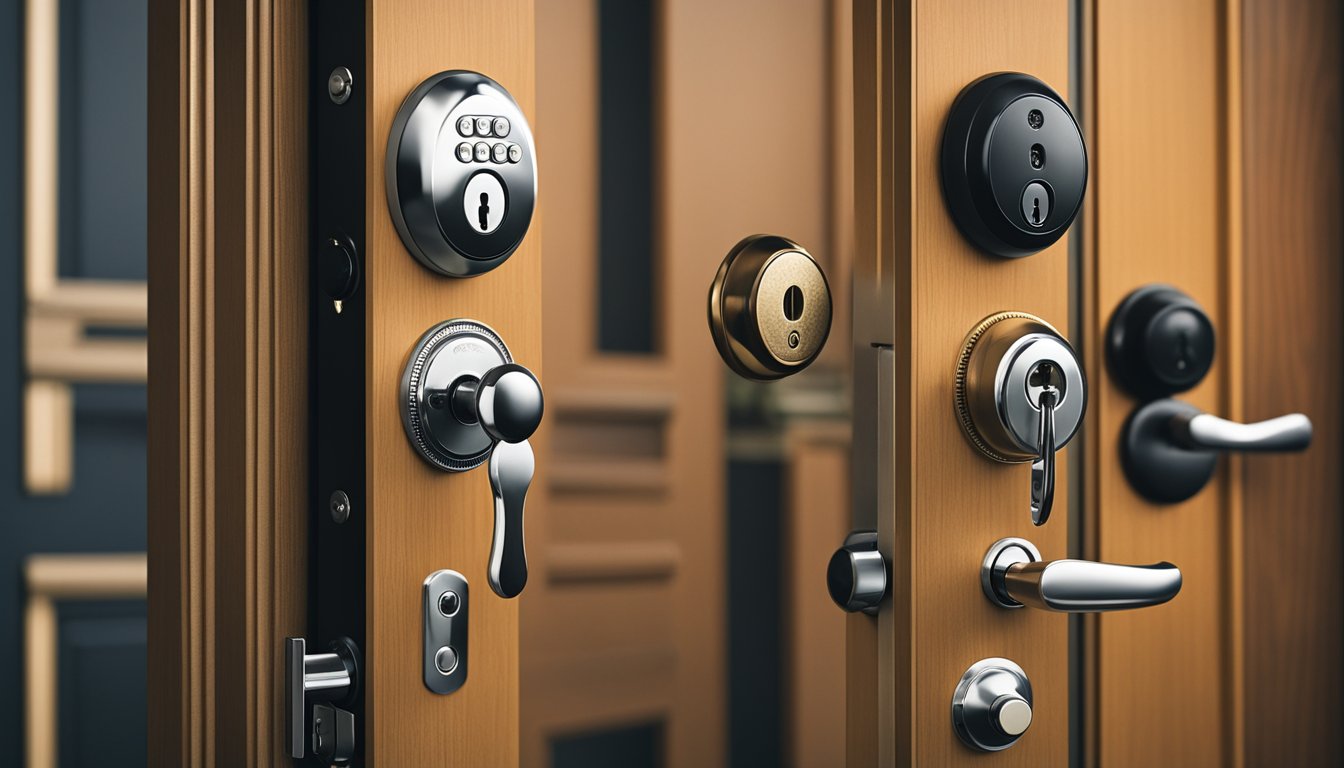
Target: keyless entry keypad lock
{"points": [[769, 308], [1020, 395], [461, 173], [464, 402], [1014, 165]]}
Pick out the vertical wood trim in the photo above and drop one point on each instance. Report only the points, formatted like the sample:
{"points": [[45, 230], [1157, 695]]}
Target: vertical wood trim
{"points": [[39, 702], [227, 421], [1292, 289], [1233, 593]]}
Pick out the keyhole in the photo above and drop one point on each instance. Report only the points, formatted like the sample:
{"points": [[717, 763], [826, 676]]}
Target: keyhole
{"points": [[484, 211], [793, 303], [1035, 211], [1183, 352]]}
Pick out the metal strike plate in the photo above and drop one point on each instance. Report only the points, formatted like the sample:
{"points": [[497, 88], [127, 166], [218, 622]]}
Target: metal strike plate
{"points": [[445, 609], [461, 173]]}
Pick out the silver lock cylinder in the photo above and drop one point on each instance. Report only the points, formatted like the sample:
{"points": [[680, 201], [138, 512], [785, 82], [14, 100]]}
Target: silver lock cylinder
{"points": [[461, 173], [1020, 395]]}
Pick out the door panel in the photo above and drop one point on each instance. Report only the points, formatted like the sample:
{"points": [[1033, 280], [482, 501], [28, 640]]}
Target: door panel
{"points": [[1171, 673], [421, 519], [919, 289]]}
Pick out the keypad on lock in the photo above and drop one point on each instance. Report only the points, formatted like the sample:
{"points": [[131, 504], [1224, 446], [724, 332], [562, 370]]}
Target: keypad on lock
{"points": [[485, 127]]}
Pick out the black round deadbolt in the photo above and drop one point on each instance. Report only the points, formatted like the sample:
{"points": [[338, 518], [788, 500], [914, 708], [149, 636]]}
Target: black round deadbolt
{"points": [[1014, 166], [1159, 342]]}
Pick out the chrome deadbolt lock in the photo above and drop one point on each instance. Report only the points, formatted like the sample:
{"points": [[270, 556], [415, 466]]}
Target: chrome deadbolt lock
{"points": [[769, 308], [992, 705], [465, 402], [461, 173], [1020, 395]]}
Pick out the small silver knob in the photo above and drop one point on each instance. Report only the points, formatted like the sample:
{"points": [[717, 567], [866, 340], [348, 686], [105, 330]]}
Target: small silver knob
{"points": [[991, 707], [506, 401], [857, 574]]}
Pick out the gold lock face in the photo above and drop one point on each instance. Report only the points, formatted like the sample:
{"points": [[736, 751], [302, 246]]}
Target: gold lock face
{"points": [[769, 308]]}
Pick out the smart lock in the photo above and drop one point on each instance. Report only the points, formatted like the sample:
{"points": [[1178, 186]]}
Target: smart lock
{"points": [[769, 308], [1014, 166], [465, 402], [461, 173]]}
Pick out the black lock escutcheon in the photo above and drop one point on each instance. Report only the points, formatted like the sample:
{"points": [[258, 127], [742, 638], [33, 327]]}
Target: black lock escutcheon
{"points": [[1014, 165]]}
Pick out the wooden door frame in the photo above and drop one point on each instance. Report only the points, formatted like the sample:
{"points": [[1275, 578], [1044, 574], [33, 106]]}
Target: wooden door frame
{"points": [[228, 431]]}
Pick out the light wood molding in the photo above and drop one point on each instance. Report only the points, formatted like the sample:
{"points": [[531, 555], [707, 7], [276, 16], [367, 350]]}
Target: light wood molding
{"points": [[59, 312], [227, 374], [1187, 191], [48, 579]]}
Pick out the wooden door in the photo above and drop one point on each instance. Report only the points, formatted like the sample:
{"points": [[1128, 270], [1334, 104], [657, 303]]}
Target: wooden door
{"points": [[1239, 203], [1212, 169], [920, 288], [230, 500]]}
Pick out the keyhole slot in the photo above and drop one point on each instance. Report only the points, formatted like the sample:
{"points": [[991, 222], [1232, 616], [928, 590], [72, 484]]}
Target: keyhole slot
{"points": [[1035, 211], [484, 211], [793, 303], [1046, 373]]}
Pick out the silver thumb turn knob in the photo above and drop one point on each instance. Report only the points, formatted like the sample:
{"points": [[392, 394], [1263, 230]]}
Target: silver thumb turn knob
{"points": [[1013, 575], [506, 401], [857, 574], [991, 707]]}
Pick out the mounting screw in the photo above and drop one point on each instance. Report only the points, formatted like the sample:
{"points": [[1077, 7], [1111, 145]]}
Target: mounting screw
{"points": [[339, 85], [340, 507]]}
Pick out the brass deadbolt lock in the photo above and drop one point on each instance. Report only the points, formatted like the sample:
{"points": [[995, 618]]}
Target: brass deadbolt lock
{"points": [[1020, 396], [769, 308]]}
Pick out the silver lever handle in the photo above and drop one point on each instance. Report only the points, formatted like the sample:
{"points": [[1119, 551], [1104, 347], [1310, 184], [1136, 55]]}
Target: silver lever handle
{"points": [[508, 404], [1204, 431], [1013, 575]]}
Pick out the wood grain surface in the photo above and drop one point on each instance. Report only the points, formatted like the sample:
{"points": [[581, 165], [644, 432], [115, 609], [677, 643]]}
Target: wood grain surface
{"points": [[920, 287], [422, 519]]}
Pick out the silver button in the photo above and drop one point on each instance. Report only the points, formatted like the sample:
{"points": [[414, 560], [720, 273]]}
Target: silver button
{"points": [[482, 126], [499, 153], [501, 127], [446, 660], [482, 151], [515, 153], [464, 152], [464, 125], [483, 202]]}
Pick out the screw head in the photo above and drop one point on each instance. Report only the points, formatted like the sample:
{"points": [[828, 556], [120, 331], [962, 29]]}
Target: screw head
{"points": [[340, 507], [339, 84]]}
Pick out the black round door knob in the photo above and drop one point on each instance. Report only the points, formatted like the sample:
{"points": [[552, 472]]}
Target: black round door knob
{"points": [[1014, 164], [1159, 342]]}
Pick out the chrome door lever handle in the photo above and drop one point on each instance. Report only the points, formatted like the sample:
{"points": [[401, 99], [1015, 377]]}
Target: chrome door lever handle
{"points": [[1013, 575], [1206, 432], [1170, 448]]}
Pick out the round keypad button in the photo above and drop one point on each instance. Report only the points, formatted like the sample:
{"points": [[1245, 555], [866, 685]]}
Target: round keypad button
{"points": [[482, 152], [464, 152], [465, 125], [482, 126], [515, 153], [501, 126], [499, 153]]}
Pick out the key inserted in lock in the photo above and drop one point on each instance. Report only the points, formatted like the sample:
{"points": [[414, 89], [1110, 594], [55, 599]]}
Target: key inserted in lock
{"points": [[1020, 396]]}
